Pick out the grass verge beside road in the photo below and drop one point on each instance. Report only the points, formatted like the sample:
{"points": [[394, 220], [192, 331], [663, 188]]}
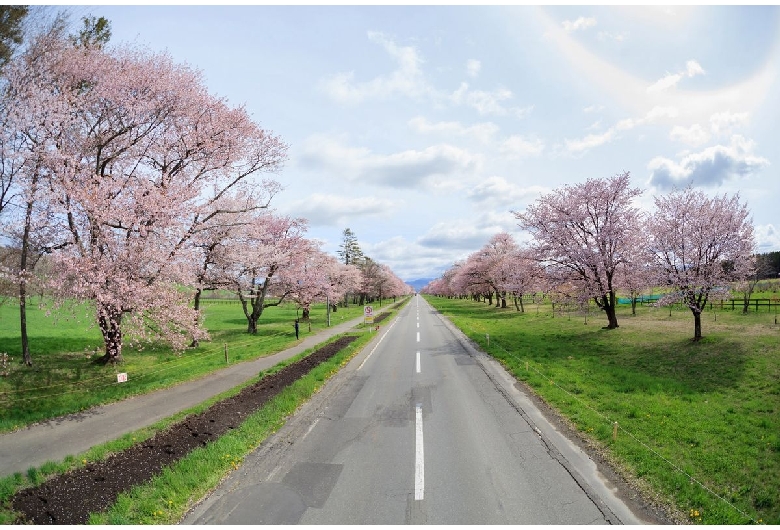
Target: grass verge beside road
{"points": [[64, 380], [698, 423]]}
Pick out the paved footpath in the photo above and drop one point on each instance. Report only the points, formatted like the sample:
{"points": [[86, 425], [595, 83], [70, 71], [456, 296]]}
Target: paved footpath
{"points": [[55, 439]]}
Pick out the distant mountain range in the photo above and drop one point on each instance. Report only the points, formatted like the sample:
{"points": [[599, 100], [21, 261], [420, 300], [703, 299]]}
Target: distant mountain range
{"points": [[420, 283]]}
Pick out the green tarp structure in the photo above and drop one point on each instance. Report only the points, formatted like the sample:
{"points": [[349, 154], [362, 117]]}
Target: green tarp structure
{"points": [[644, 299]]}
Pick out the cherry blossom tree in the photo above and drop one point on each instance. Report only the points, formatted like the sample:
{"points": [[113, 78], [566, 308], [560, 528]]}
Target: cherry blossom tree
{"points": [[323, 278], [524, 275], [276, 253], [588, 230], [137, 155], [698, 245]]}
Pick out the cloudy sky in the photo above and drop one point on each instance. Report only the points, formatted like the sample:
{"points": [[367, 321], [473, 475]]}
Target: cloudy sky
{"points": [[422, 128]]}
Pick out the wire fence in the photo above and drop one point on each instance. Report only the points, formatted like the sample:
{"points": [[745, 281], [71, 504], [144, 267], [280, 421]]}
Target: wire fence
{"points": [[491, 343]]}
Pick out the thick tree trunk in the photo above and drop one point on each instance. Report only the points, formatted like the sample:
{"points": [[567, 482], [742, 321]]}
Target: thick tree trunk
{"points": [[110, 323], [196, 306], [608, 305], [500, 300], [696, 325], [251, 327]]}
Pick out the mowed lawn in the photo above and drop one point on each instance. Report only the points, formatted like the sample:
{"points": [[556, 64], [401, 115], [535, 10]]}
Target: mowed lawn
{"points": [[64, 379], [698, 423]]}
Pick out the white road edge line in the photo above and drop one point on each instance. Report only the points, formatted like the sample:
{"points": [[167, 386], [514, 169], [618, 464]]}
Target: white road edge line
{"points": [[419, 461], [418, 362], [377, 345], [418, 336]]}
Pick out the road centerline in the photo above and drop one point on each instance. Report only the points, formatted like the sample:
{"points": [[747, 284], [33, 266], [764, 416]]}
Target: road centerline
{"points": [[419, 461]]}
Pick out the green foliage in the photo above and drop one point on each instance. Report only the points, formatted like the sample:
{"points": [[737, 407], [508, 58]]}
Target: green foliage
{"points": [[697, 421], [95, 32], [11, 19]]}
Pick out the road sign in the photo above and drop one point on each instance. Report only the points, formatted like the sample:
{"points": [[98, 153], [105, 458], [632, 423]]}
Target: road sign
{"points": [[368, 314]]}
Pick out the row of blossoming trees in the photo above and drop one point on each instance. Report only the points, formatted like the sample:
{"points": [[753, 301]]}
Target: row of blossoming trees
{"points": [[589, 242], [141, 188]]}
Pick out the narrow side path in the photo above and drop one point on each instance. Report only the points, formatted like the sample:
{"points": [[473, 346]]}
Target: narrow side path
{"points": [[73, 434]]}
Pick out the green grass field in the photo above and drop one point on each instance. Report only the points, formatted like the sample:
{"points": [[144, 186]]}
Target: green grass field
{"points": [[63, 378], [698, 423]]}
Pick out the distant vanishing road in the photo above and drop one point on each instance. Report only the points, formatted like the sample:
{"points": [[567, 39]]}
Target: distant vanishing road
{"points": [[419, 429]]}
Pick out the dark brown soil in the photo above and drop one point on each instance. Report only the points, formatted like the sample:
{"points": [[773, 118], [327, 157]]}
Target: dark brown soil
{"points": [[70, 498]]}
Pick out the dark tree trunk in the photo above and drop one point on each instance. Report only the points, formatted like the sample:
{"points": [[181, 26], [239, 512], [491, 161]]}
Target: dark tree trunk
{"points": [[257, 301], [26, 357], [608, 305], [110, 323], [521, 307], [305, 313], [696, 325], [633, 306], [196, 306]]}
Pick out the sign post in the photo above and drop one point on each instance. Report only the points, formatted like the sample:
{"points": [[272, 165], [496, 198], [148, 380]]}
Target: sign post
{"points": [[368, 314]]}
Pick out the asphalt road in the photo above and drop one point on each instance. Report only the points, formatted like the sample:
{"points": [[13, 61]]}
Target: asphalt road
{"points": [[419, 428]]}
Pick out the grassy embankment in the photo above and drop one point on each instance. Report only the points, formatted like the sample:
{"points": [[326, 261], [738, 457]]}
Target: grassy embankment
{"points": [[698, 423], [166, 498]]}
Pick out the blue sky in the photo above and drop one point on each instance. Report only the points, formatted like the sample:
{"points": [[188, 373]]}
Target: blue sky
{"points": [[422, 128]]}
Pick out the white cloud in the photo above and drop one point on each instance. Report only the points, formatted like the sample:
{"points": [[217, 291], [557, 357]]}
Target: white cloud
{"points": [[694, 135], [589, 142], [334, 210], [692, 68], [406, 80], [497, 190], [767, 238], [659, 113], [595, 126], [461, 234], [410, 260], [581, 145], [580, 23], [720, 124], [629, 91], [593, 108], [438, 167], [488, 102], [483, 132], [473, 67], [711, 167], [605, 35], [520, 147], [726, 121]]}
